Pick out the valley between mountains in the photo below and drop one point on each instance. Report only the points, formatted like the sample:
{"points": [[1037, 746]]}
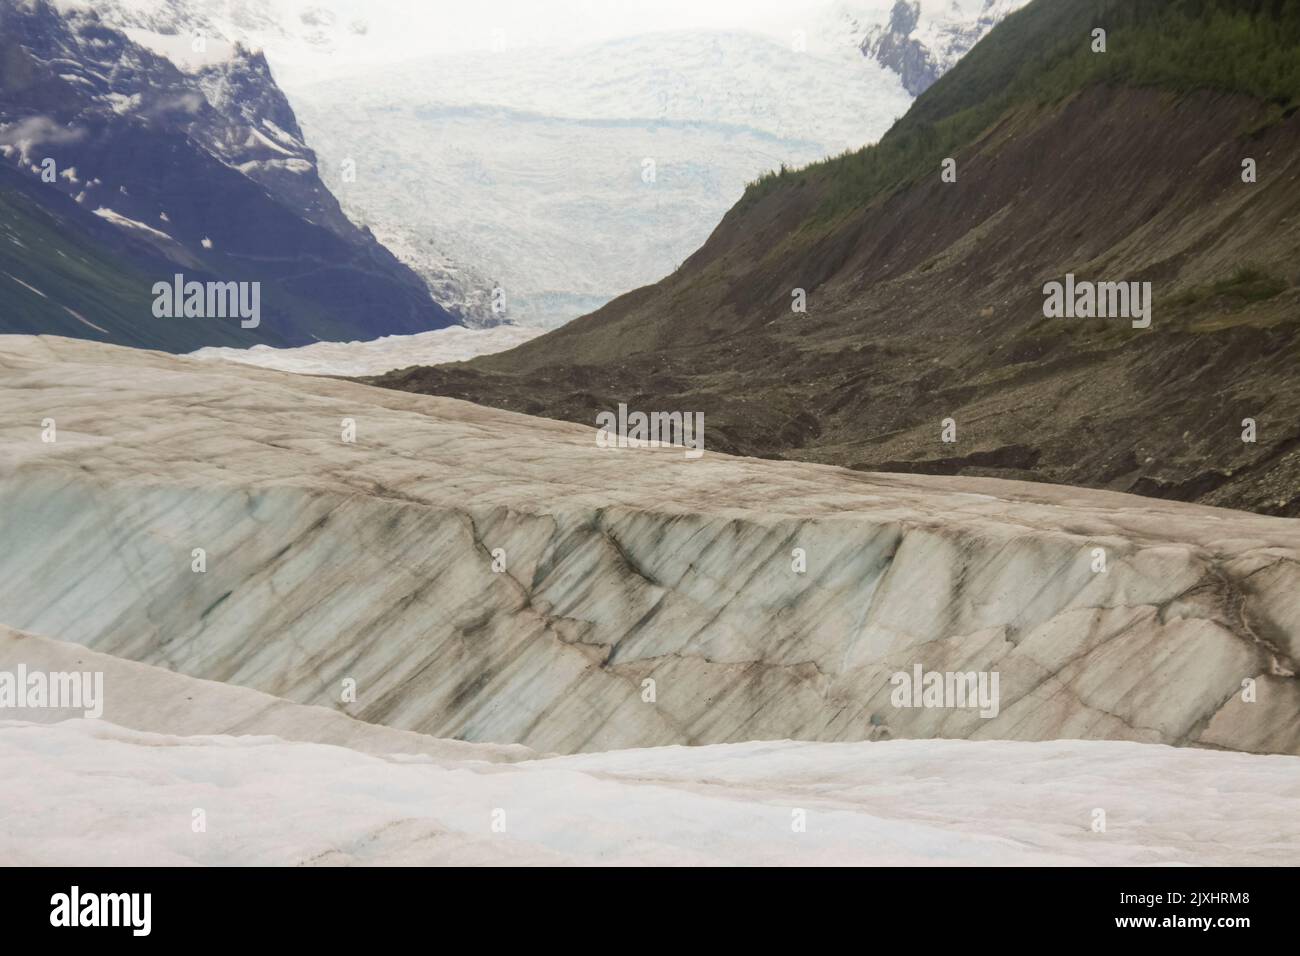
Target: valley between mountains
{"points": [[839, 313], [951, 579]]}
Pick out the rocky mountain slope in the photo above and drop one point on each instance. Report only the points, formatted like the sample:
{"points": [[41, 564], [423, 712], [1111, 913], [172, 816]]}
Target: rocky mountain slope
{"points": [[487, 576], [925, 297], [305, 43], [188, 151]]}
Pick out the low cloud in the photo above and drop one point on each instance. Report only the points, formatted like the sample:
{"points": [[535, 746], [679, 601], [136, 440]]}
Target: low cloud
{"points": [[182, 103], [38, 131]]}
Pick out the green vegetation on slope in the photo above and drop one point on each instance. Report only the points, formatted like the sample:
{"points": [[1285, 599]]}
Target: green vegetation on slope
{"points": [[54, 281], [1043, 54], [1247, 285]]}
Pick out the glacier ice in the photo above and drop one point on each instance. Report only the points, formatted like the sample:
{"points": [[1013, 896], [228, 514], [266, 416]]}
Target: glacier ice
{"points": [[452, 344], [493, 577], [917, 802]]}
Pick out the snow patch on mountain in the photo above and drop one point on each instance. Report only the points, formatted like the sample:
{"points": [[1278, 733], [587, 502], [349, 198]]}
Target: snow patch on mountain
{"points": [[118, 219]]}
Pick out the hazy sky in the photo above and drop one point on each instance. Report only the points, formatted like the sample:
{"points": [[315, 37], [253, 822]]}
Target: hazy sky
{"points": [[440, 26], [621, 17], [365, 32]]}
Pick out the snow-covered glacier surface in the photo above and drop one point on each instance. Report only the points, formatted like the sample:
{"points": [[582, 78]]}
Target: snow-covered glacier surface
{"points": [[487, 576], [453, 344], [91, 793], [285, 784], [140, 697]]}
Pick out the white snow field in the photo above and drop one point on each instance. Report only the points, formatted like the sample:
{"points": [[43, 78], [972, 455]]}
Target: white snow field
{"points": [[492, 577], [452, 344], [89, 793]]}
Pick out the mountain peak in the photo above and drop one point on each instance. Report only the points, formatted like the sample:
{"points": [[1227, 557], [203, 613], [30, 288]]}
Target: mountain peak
{"points": [[200, 165], [922, 42]]}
